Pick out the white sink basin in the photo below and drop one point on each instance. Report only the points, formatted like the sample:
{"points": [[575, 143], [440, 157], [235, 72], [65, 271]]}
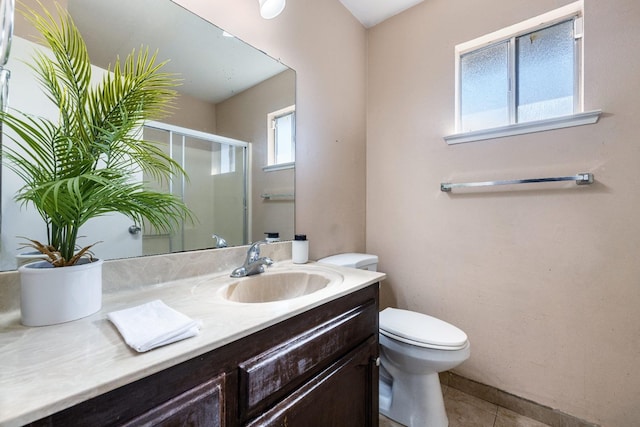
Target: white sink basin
{"points": [[279, 285]]}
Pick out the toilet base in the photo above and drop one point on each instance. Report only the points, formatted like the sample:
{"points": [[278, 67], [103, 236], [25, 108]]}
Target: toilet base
{"points": [[414, 400]]}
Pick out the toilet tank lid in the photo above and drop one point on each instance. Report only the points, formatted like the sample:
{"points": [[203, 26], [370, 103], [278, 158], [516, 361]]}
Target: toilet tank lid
{"points": [[354, 260], [421, 328]]}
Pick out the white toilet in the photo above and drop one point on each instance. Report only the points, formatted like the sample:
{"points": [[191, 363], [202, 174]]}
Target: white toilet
{"points": [[414, 348]]}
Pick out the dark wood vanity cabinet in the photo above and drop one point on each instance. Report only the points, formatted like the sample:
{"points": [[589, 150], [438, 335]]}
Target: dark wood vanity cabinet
{"points": [[315, 369]]}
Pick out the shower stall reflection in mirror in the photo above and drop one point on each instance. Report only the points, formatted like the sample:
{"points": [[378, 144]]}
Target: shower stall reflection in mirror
{"points": [[215, 189]]}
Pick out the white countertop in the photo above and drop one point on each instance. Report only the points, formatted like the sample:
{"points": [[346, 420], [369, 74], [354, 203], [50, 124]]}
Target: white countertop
{"points": [[47, 369]]}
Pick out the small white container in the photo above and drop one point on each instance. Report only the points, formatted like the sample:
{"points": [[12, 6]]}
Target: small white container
{"points": [[300, 249]]}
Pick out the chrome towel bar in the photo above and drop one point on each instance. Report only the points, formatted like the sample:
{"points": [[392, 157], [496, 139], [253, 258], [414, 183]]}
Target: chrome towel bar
{"points": [[580, 179], [278, 196]]}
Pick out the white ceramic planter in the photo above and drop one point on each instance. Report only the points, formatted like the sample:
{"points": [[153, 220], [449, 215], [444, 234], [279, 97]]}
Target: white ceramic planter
{"points": [[55, 295]]}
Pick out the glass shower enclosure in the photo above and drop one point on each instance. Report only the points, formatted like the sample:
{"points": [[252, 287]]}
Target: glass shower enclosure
{"points": [[215, 189]]}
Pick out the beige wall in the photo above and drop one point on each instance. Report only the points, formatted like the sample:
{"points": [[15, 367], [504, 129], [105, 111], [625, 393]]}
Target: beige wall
{"points": [[22, 27], [192, 113], [244, 117], [326, 47], [545, 280]]}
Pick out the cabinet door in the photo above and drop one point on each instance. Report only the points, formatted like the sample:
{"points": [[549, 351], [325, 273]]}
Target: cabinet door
{"points": [[343, 395], [201, 406]]}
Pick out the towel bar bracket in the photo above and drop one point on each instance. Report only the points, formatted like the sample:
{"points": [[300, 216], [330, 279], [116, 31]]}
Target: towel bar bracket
{"points": [[584, 178]]}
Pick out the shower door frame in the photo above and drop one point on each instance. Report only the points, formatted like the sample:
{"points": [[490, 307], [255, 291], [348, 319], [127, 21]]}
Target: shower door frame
{"points": [[210, 137]]}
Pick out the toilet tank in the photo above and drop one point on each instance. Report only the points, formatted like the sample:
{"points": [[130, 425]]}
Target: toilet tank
{"points": [[354, 260]]}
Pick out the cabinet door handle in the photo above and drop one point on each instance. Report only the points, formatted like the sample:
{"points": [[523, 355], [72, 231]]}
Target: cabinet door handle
{"points": [[376, 360]]}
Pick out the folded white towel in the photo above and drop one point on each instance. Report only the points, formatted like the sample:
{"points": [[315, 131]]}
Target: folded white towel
{"points": [[153, 324]]}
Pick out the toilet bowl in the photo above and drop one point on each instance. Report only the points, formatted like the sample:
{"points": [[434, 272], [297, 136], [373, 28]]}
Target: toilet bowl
{"points": [[414, 348]]}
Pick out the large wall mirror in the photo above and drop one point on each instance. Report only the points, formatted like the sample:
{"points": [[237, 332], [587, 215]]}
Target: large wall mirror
{"points": [[222, 129]]}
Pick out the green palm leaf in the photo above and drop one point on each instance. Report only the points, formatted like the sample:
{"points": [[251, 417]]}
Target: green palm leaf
{"points": [[80, 167]]}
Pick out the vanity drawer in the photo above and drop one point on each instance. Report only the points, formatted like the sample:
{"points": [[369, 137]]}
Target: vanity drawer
{"points": [[274, 373], [339, 396], [202, 406]]}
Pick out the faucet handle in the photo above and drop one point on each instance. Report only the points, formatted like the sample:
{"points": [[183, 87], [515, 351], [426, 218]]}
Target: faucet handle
{"points": [[259, 242], [254, 251]]}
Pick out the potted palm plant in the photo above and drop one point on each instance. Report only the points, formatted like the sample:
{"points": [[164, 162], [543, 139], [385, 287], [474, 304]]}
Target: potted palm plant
{"points": [[80, 166]]}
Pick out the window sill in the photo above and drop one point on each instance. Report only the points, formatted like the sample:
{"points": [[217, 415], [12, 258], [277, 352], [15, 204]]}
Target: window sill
{"points": [[278, 167], [579, 119]]}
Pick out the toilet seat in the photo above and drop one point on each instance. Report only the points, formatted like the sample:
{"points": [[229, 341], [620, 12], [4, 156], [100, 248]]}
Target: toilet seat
{"points": [[420, 330]]}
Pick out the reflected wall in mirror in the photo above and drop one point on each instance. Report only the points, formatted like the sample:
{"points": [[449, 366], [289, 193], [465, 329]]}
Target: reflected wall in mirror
{"points": [[218, 129]]}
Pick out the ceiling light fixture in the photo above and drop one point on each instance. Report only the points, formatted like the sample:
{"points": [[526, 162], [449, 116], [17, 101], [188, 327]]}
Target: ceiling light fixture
{"points": [[271, 8]]}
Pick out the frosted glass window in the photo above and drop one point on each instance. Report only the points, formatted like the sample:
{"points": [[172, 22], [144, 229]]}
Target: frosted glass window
{"points": [[485, 87], [524, 76], [546, 73]]}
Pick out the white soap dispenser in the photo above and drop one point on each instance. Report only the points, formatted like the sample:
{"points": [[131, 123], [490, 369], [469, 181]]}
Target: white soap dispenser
{"points": [[300, 249]]}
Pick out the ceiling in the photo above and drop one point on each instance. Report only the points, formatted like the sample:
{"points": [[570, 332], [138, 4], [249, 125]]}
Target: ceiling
{"points": [[212, 67], [372, 12], [197, 57]]}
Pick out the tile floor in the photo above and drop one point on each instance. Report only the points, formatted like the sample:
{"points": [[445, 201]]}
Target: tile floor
{"points": [[465, 410]]}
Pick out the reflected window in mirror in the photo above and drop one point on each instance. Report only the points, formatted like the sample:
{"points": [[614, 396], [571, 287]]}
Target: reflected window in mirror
{"points": [[281, 150], [224, 160]]}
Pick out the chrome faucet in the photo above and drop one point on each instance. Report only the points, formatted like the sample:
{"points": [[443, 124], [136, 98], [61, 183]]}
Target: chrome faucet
{"points": [[253, 263]]}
